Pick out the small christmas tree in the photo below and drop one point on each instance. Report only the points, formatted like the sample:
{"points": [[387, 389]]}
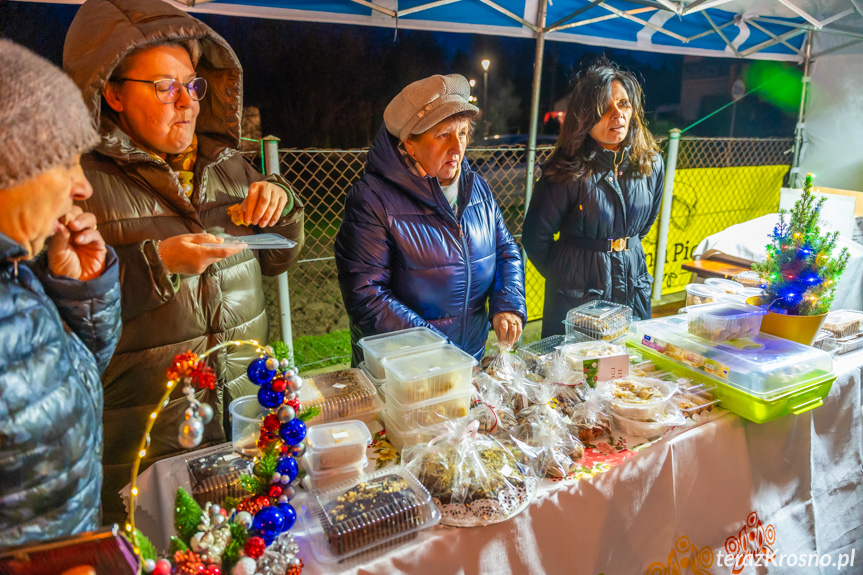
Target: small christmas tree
{"points": [[799, 274]]}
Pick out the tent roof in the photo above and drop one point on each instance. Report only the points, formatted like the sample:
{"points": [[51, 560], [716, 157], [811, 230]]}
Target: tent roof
{"points": [[764, 29]]}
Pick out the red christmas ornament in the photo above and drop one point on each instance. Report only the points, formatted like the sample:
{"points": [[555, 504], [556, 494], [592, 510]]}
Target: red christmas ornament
{"points": [[284, 449], [163, 567], [275, 491], [295, 403], [255, 547], [295, 570], [272, 423], [262, 501], [253, 504], [188, 563], [279, 384], [213, 569]]}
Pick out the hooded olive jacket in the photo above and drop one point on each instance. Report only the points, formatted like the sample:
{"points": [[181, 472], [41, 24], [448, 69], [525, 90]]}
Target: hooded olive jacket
{"points": [[56, 335], [605, 205], [137, 201]]}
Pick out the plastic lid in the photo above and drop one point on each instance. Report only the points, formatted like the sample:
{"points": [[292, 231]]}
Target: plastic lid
{"points": [[400, 342], [351, 517], [340, 395], [725, 285], [329, 436], [427, 364], [702, 290], [600, 309], [836, 319], [398, 405], [253, 242], [726, 310]]}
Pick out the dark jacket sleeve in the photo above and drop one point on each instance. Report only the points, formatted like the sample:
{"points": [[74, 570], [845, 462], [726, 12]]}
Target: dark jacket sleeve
{"points": [[507, 292], [363, 254], [658, 187], [90, 309], [274, 262], [547, 209]]}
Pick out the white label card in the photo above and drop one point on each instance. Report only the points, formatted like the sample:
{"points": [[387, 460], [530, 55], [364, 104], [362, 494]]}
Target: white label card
{"points": [[339, 385], [340, 434], [506, 470]]}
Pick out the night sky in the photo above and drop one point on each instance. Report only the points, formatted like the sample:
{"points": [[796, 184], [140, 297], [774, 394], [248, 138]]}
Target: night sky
{"points": [[327, 85]]}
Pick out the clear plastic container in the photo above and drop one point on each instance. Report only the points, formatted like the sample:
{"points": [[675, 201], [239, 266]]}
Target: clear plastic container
{"points": [[760, 379], [725, 320], [423, 376], [694, 399], [749, 278], [697, 294], [431, 412], [534, 351], [375, 381], [253, 242], [400, 436], [380, 508], [599, 320], [655, 426], [341, 395], [326, 477], [843, 323], [727, 286], [246, 419], [395, 344], [638, 397], [848, 344], [337, 444]]}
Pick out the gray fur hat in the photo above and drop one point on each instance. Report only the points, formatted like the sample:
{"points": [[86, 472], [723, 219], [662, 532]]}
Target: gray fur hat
{"points": [[43, 120]]}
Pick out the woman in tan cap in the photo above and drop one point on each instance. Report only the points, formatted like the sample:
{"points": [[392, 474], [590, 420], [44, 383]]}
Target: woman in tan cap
{"points": [[601, 189], [423, 242]]}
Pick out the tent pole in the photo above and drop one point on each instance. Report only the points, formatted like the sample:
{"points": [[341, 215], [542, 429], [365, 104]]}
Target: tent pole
{"points": [[795, 180], [665, 213], [534, 104]]}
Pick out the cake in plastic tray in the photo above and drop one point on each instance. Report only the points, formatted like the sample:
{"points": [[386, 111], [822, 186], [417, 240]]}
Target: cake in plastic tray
{"points": [[763, 366], [727, 286], [431, 412], [351, 517], [423, 376], [216, 475], [394, 344], [599, 319], [338, 444], [843, 323], [341, 395], [725, 320], [319, 479]]}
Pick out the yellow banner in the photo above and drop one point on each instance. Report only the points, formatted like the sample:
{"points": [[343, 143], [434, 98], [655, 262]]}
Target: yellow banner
{"points": [[706, 201]]}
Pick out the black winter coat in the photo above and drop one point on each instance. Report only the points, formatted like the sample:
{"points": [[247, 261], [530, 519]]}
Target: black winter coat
{"points": [[588, 213], [56, 336]]}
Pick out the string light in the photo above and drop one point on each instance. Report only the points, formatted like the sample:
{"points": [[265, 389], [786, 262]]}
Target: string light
{"points": [[134, 491], [142, 453]]}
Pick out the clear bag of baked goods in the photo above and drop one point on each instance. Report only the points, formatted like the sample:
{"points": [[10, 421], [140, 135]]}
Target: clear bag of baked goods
{"points": [[472, 478], [544, 435], [505, 365], [591, 418], [493, 419]]}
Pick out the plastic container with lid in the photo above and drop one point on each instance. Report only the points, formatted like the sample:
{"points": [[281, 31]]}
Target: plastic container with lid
{"points": [[375, 381], [325, 477], [728, 286], [341, 395], [430, 412], [638, 397], [423, 376], [749, 278], [599, 319], [365, 515], [843, 323], [337, 444], [656, 425], [401, 436], [725, 321], [761, 378], [694, 399], [395, 344], [697, 294]]}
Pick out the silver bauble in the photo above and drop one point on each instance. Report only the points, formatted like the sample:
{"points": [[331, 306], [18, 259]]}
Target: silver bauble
{"points": [[298, 450], [289, 491], [283, 499], [218, 519], [272, 363], [286, 413], [149, 565], [191, 433], [295, 382], [269, 350], [205, 412], [284, 364], [276, 477], [244, 518]]}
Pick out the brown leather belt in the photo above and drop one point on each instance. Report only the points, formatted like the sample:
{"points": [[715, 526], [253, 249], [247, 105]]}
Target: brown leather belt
{"points": [[610, 245]]}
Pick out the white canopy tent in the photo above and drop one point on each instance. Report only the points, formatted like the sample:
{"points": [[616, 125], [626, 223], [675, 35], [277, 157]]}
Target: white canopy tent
{"points": [[786, 30]]}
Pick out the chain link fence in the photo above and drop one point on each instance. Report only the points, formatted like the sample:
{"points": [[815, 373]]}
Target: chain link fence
{"points": [[701, 207]]}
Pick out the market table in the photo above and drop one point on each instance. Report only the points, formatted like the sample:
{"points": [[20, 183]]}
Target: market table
{"points": [[794, 485]]}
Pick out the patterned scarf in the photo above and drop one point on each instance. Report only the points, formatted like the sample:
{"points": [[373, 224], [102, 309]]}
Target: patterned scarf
{"points": [[184, 165]]}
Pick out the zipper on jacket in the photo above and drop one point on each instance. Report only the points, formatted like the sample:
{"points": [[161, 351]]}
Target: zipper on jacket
{"points": [[467, 287]]}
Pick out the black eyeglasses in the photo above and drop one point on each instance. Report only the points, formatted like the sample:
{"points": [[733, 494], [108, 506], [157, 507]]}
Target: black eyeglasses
{"points": [[168, 90]]}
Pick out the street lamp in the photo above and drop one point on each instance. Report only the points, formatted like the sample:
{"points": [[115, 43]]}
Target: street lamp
{"points": [[472, 82], [485, 64]]}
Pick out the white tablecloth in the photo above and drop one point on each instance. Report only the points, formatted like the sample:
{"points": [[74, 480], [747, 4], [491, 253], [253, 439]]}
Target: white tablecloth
{"points": [[802, 477]]}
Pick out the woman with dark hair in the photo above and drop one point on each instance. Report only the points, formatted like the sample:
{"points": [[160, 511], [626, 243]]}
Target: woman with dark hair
{"points": [[601, 190]]}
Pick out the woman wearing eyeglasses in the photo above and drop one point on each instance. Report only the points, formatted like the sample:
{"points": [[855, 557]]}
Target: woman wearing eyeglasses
{"points": [[166, 93]]}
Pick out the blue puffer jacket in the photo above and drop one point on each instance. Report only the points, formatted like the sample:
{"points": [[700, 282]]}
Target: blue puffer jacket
{"points": [[50, 395], [404, 260]]}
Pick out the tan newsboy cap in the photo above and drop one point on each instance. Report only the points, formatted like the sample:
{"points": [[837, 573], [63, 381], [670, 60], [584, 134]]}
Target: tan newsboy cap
{"points": [[426, 102]]}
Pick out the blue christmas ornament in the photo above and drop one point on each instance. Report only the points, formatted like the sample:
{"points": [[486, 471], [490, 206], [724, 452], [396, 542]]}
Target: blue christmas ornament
{"points": [[269, 523], [293, 431], [269, 398], [289, 514], [288, 467], [259, 373]]}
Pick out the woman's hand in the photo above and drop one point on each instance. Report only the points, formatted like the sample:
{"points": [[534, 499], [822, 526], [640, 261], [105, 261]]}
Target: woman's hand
{"points": [[77, 250], [264, 204], [507, 327], [183, 255]]}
